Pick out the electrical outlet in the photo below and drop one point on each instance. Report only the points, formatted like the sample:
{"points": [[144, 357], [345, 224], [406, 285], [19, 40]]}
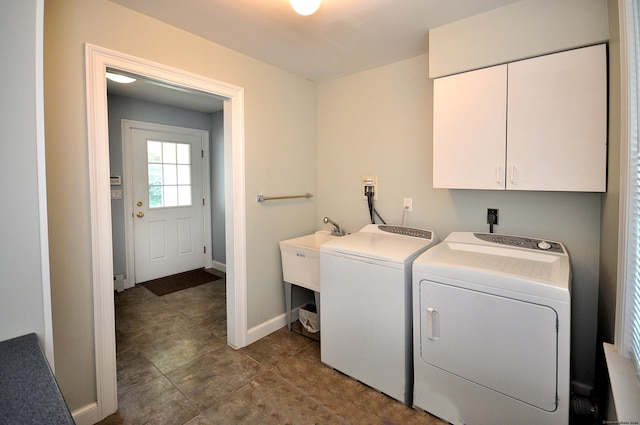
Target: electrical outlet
{"points": [[407, 204], [493, 211], [368, 182]]}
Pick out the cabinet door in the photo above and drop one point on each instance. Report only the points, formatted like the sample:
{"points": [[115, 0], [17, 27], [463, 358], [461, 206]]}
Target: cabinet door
{"points": [[469, 116], [557, 122]]}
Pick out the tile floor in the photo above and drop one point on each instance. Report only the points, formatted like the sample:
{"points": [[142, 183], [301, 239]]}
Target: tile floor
{"points": [[174, 367]]}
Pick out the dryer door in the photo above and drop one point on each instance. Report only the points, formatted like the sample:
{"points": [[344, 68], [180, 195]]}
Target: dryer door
{"points": [[507, 345]]}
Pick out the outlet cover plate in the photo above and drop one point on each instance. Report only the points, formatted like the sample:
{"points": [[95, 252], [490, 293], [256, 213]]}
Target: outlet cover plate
{"points": [[493, 211]]}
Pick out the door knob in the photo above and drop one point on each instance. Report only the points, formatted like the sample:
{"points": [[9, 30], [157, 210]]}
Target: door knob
{"points": [[139, 203], [140, 214]]}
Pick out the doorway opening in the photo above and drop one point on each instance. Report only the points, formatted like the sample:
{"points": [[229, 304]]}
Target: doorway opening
{"points": [[98, 60]]}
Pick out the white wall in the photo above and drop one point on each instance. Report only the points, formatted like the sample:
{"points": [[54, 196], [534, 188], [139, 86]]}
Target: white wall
{"points": [[524, 29], [24, 287], [280, 149], [379, 122]]}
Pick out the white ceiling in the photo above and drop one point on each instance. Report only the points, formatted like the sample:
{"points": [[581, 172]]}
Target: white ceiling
{"points": [[343, 37]]}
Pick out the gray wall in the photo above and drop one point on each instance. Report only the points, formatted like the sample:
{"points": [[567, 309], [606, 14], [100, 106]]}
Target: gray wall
{"points": [[25, 304], [134, 109], [216, 152]]}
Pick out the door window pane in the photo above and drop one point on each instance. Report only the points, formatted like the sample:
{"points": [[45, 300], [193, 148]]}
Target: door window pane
{"points": [[155, 196], [154, 152], [169, 174], [169, 153], [155, 174], [183, 154]]}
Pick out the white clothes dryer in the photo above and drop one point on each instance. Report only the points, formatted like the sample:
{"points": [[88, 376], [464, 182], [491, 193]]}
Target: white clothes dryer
{"points": [[492, 317], [366, 309]]}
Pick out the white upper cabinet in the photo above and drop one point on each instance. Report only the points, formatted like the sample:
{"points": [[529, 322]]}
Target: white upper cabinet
{"points": [[469, 134], [557, 122], [535, 124]]}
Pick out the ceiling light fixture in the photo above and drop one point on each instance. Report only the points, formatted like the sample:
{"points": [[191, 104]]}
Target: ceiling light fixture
{"points": [[119, 78], [305, 7]]}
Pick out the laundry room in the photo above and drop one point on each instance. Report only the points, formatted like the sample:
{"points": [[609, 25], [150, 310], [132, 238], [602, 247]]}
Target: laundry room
{"points": [[294, 135]]}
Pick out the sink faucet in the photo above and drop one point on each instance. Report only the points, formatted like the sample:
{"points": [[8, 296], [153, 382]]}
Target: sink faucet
{"points": [[337, 230]]}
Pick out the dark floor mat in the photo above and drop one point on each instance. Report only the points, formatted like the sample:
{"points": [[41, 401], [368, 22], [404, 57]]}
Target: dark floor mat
{"points": [[178, 282]]}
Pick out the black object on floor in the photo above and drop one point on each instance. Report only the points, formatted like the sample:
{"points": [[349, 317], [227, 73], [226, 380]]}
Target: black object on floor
{"points": [[178, 282]]}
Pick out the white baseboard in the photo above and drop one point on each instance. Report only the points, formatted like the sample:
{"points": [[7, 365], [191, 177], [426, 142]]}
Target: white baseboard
{"points": [[87, 415], [582, 389], [270, 326], [219, 266], [265, 328]]}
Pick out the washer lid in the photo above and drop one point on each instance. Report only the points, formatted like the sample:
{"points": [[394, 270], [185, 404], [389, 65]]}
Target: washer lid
{"points": [[373, 243], [465, 257]]}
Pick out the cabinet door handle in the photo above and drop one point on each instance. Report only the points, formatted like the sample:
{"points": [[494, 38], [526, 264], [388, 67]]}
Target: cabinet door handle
{"points": [[498, 174], [513, 174]]}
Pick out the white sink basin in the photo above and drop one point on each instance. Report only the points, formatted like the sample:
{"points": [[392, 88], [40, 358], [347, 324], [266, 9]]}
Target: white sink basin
{"points": [[301, 259]]}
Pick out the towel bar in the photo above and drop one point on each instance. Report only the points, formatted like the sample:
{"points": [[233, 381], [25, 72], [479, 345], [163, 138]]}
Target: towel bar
{"points": [[262, 198]]}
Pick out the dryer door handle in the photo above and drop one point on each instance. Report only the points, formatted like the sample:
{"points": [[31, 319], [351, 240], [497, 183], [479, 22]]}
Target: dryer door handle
{"points": [[433, 324]]}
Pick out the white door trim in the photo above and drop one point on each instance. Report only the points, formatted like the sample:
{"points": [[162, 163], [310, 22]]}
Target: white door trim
{"points": [[97, 60], [42, 187], [127, 180]]}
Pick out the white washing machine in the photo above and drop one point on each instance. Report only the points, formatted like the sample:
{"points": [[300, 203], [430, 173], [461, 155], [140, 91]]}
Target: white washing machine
{"points": [[366, 310], [492, 317]]}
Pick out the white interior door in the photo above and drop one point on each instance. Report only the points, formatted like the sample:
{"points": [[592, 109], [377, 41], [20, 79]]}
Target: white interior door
{"points": [[168, 202]]}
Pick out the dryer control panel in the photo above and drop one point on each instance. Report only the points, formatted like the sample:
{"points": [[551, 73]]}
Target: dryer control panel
{"points": [[528, 243]]}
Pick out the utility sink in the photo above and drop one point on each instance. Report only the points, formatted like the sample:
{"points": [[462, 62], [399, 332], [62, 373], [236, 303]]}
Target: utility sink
{"points": [[301, 259]]}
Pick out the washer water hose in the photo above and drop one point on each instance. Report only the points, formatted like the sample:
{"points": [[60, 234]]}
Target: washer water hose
{"points": [[368, 191]]}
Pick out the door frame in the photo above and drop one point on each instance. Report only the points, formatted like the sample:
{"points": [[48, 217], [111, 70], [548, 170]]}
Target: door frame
{"points": [[127, 181], [97, 60]]}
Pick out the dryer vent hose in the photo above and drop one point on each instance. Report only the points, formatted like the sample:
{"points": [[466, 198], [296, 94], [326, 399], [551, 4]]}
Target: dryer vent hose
{"points": [[582, 406]]}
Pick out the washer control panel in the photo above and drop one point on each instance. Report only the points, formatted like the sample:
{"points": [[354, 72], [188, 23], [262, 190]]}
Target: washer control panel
{"points": [[528, 243], [407, 231]]}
